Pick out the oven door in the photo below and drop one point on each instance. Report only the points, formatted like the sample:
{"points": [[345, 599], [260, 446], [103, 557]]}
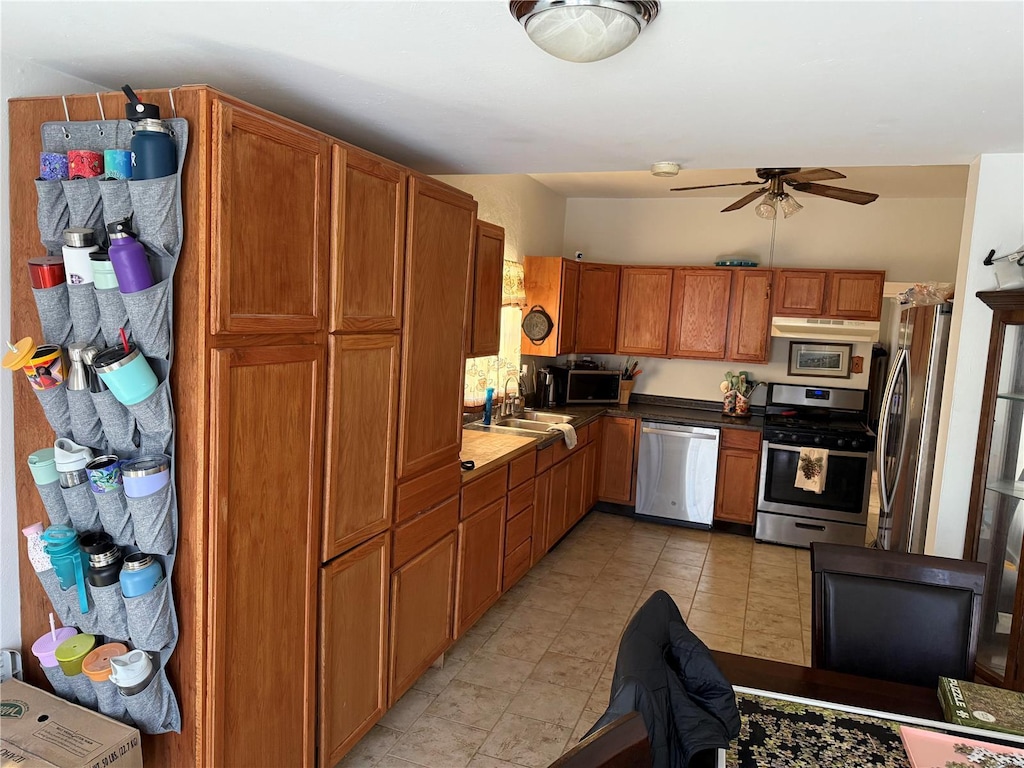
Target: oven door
{"points": [[844, 498]]}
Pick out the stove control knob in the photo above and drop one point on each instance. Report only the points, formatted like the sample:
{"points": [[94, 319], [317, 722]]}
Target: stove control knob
{"points": [[840, 443], [817, 440], [792, 437], [855, 443]]}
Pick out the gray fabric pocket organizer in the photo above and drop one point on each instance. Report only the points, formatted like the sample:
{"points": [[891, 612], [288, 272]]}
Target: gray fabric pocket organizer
{"points": [[150, 314], [53, 502], [156, 214], [113, 315], [111, 616], [82, 508], [110, 702], [118, 424], [117, 203], [151, 618], [51, 216], [60, 683], [155, 420], [85, 209], [51, 585], [86, 622], [55, 406], [154, 709], [54, 314], [114, 516], [153, 518], [85, 314], [86, 427], [84, 692]]}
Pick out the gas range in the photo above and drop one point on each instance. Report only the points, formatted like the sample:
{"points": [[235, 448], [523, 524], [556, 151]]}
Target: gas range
{"points": [[818, 417], [788, 430]]}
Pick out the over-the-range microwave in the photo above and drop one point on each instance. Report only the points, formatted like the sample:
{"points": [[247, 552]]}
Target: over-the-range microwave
{"points": [[592, 387]]}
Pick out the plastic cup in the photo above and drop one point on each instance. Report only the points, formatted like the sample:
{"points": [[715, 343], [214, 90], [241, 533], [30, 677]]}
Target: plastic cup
{"points": [[45, 646], [96, 664], [43, 364], [43, 466], [72, 652]]}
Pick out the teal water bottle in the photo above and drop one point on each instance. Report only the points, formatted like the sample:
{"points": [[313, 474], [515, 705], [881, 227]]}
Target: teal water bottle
{"points": [[488, 405], [69, 562]]}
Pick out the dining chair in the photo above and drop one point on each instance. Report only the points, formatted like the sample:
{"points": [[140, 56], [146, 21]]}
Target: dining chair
{"points": [[894, 616], [620, 744]]}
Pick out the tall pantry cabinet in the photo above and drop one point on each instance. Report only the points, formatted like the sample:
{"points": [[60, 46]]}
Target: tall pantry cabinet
{"points": [[310, 273]]}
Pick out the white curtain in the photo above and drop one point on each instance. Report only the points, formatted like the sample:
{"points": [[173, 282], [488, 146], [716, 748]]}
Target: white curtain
{"points": [[494, 370]]}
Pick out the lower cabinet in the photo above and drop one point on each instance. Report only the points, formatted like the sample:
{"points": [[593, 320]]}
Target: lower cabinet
{"points": [[558, 506], [739, 460], [353, 646], [541, 516], [576, 493], [619, 445], [481, 554]]}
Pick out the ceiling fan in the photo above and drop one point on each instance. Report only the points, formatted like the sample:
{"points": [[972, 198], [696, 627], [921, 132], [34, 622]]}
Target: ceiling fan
{"points": [[773, 182]]}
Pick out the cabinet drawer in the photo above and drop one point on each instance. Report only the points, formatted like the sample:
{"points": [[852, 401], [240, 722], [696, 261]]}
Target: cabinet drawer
{"points": [[545, 458], [426, 491], [414, 537], [517, 563], [520, 498], [480, 493], [518, 529], [741, 439], [522, 469]]}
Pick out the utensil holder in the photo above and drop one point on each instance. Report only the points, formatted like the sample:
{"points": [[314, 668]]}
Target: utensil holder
{"points": [[625, 390]]}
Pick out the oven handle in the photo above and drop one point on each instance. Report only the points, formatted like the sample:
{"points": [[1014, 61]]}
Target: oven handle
{"points": [[791, 449]]}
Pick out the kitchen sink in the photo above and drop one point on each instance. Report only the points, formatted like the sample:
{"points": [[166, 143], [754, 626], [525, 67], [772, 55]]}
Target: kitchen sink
{"points": [[526, 424], [547, 418]]}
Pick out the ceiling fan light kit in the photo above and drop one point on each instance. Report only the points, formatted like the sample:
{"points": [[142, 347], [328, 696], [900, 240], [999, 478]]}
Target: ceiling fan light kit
{"points": [[583, 30], [665, 168], [766, 208], [789, 205]]}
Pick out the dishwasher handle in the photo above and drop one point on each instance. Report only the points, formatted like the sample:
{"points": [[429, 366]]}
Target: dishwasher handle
{"points": [[680, 433]]}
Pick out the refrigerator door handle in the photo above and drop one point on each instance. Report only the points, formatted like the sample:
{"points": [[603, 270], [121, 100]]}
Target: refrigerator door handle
{"points": [[885, 492]]}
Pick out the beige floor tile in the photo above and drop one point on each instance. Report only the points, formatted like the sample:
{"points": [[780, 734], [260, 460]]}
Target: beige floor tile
{"points": [[550, 703], [773, 554], [525, 741], [584, 645], [601, 696], [654, 531], [552, 600], [435, 742], [772, 624], [716, 623], [722, 586], [730, 605], [680, 590], [610, 601], [500, 672], [773, 647], [390, 761], [469, 704], [692, 558], [536, 620], [584, 724], [407, 709], [783, 605], [726, 541], [593, 621], [491, 620], [567, 583], [773, 587], [517, 643], [567, 671], [578, 566], [720, 642], [676, 571], [484, 761], [620, 582], [626, 568], [678, 532], [470, 642], [638, 551], [686, 545], [775, 571], [436, 679], [729, 571], [371, 748]]}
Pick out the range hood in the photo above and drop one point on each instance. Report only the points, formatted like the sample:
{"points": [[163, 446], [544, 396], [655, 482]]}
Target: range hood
{"points": [[823, 329]]}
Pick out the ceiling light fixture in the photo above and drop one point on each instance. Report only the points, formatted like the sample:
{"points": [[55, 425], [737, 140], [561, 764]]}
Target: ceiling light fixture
{"points": [[766, 208], [789, 205], [584, 30], [665, 168]]}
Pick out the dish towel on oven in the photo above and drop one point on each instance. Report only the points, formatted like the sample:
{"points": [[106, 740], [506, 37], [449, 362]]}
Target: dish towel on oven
{"points": [[568, 432], [811, 469]]}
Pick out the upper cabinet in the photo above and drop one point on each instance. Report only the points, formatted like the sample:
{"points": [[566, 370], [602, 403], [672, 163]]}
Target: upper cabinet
{"points": [[483, 329], [569, 302], [596, 319], [367, 242], [749, 315], [552, 283], [856, 295], [835, 293], [699, 321], [271, 189], [800, 293], [644, 298]]}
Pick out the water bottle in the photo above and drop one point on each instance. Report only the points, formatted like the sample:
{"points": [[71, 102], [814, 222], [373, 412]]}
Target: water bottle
{"points": [[104, 558], [132, 672], [488, 405], [77, 379], [154, 154], [79, 243], [36, 548], [128, 256], [139, 574], [69, 562]]}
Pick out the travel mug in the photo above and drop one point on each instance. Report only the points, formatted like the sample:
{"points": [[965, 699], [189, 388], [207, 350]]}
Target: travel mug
{"points": [[117, 163], [72, 652], [84, 164], [46, 271], [128, 257], [77, 379], [103, 275], [95, 382], [104, 558], [46, 645], [132, 672], [139, 574], [145, 475], [43, 365], [43, 466], [104, 473], [53, 166], [71, 459], [79, 243], [126, 373]]}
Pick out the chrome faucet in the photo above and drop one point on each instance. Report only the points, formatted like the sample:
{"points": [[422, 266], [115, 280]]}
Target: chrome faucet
{"points": [[514, 405]]}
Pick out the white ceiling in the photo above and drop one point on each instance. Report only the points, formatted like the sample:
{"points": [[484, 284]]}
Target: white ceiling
{"points": [[456, 87]]}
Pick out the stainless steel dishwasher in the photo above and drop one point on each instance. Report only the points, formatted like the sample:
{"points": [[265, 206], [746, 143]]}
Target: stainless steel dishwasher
{"points": [[676, 473]]}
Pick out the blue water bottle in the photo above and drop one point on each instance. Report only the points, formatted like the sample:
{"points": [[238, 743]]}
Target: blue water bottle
{"points": [[488, 405], [154, 154]]}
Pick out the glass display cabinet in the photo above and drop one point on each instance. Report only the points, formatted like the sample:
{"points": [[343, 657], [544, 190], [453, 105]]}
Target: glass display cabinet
{"points": [[995, 526]]}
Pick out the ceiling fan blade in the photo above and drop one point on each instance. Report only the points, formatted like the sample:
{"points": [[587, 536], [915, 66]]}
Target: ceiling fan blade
{"points": [[837, 193], [812, 174], [746, 200], [711, 186]]}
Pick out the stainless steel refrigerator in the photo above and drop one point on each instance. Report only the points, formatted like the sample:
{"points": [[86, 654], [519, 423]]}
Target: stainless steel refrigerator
{"points": [[908, 424]]}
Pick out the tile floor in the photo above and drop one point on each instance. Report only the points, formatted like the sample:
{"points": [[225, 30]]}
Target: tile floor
{"points": [[534, 674]]}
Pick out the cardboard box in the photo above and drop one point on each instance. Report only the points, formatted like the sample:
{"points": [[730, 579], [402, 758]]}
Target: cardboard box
{"points": [[40, 729]]}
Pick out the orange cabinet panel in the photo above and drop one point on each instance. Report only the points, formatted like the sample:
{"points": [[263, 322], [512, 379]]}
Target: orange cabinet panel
{"points": [[485, 302], [749, 320], [738, 476], [619, 446], [700, 313], [598, 314], [644, 299], [569, 307], [856, 295], [541, 515], [481, 555], [800, 292]]}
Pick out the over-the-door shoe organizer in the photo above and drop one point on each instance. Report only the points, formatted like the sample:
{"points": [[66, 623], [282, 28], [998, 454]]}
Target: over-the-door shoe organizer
{"points": [[70, 313]]}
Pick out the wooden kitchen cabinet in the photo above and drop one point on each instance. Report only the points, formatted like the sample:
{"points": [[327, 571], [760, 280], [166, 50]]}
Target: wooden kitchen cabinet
{"points": [[739, 460], [592, 462], [367, 241], [619, 446], [271, 195], [481, 556], [597, 318], [361, 427], [644, 300], [576, 493], [553, 284], [439, 245], [855, 295], [749, 315], [836, 293], [354, 592], [569, 307], [800, 293], [484, 326], [699, 321], [557, 504]]}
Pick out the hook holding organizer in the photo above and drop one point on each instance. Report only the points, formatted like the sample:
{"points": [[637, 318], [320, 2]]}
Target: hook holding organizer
{"points": [[1014, 258]]}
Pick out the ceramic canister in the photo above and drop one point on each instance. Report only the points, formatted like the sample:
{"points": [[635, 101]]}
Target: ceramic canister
{"points": [[126, 374], [145, 475]]}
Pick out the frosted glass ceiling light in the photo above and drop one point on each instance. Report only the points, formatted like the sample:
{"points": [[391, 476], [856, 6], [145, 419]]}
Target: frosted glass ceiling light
{"points": [[583, 30], [766, 208], [789, 205]]}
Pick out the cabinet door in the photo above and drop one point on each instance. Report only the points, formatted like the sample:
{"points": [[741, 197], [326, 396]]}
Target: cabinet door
{"points": [[422, 593], [598, 313], [856, 295], [481, 552], [568, 307], [265, 469], [270, 223], [575, 494], [361, 427], [367, 242], [488, 263], [749, 320], [438, 251], [644, 297], [353, 646], [558, 504], [618, 459], [594, 466], [541, 515], [736, 496], [589, 471], [800, 293], [700, 313]]}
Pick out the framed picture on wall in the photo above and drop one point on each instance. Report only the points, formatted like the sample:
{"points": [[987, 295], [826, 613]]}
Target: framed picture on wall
{"points": [[820, 360]]}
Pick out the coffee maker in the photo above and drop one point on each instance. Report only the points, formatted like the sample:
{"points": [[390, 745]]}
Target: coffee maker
{"points": [[551, 384]]}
